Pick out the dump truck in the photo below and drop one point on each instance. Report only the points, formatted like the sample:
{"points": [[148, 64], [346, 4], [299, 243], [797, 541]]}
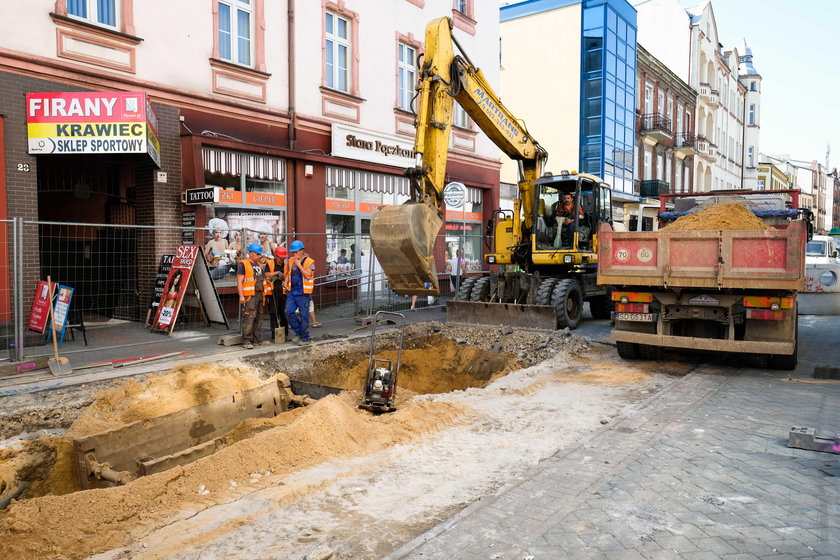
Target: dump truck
{"points": [[547, 265], [721, 290]]}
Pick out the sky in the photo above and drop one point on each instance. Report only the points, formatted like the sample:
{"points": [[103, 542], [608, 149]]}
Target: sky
{"points": [[796, 50]]}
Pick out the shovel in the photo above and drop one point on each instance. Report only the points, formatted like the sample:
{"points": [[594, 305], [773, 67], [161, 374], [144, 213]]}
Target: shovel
{"points": [[58, 365]]}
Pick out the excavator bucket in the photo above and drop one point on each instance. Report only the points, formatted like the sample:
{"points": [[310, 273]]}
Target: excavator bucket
{"points": [[511, 314], [403, 238]]}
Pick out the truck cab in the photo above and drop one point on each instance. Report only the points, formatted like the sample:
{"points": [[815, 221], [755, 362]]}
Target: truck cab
{"points": [[822, 249]]}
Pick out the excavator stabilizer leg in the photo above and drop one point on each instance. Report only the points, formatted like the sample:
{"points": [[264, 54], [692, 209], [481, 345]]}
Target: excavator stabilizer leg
{"points": [[403, 239]]}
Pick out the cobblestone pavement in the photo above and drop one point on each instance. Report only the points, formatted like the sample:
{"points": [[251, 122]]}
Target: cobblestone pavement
{"points": [[699, 471]]}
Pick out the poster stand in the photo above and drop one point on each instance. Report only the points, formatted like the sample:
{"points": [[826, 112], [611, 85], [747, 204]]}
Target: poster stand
{"points": [[189, 273], [61, 310]]}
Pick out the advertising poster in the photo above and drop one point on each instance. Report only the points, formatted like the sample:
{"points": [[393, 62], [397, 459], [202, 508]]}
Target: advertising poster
{"points": [[39, 314], [61, 311], [175, 288], [160, 282]]}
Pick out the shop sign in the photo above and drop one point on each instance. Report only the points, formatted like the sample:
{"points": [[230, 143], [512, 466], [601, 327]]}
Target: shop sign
{"points": [[91, 123], [366, 145], [340, 205], [207, 195], [454, 194], [453, 215], [229, 196]]}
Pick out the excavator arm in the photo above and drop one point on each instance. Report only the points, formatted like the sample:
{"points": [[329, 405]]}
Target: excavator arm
{"points": [[403, 236]]}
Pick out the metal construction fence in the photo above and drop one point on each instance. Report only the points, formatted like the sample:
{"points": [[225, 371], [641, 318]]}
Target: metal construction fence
{"points": [[112, 270]]}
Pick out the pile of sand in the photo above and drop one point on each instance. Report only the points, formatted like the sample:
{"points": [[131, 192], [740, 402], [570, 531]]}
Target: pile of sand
{"points": [[83, 523], [727, 216]]}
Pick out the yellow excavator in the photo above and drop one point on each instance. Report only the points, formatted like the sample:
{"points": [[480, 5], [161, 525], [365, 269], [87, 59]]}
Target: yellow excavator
{"points": [[547, 259]]}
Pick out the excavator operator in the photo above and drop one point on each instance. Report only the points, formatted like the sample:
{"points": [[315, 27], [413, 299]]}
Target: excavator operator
{"points": [[564, 214]]}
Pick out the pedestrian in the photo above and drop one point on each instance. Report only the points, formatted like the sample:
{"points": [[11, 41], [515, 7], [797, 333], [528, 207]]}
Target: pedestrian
{"points": [[342, 257], [299, 280], [455, 268], [277, 300], [250, 283]]}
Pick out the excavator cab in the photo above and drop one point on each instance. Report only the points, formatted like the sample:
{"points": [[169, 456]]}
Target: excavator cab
{"points": [[566, 213]]}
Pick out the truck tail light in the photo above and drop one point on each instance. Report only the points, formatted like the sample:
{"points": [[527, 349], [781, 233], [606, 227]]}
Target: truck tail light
{"points": [[632, 297], [773, 303], [767, 314], [632, 307]]}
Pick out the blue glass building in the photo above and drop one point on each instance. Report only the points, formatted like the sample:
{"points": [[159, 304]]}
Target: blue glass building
{"points": [[607, 82]]}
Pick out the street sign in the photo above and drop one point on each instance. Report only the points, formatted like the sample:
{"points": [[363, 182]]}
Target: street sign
{"points": [[454, 194], [207, 195]]}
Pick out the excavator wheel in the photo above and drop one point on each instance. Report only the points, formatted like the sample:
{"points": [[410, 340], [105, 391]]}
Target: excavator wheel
{"points": [[481, 290], [545, 290], [568, 303], [465, 289]]}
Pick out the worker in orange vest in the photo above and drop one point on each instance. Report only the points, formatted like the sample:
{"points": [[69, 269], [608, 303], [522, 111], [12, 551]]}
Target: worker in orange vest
{"points": [[250, 283], [276, 295], [299, 282]]}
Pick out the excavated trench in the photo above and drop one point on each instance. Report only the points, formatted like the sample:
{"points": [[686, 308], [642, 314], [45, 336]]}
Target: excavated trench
{"points": [[167, 421]]}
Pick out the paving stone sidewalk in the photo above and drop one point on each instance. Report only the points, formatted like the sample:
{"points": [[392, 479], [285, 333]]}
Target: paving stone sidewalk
{"points": [[701, 470]]}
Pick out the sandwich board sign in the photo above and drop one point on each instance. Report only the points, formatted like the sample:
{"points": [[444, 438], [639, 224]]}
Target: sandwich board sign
{"points": [[160, 282], [188, 270], [39, 313], [61, 310]]}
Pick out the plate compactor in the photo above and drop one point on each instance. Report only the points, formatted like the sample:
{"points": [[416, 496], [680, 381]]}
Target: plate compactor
{"points": [[380, 390]]}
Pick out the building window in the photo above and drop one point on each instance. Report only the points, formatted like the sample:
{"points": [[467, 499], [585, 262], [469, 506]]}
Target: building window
{"points": [[462, 6], [338, 52], [750, 154], [235, 31], [753, 86], [459, 117], [647, 168], [670, 108], [648, 98], [751, 118], [100, 12], [660, 103], [679, 118], [406, 77]]}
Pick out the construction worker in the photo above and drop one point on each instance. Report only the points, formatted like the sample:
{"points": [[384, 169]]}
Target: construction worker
{"points": [[276, 302], [250, 283], [299, 282]]}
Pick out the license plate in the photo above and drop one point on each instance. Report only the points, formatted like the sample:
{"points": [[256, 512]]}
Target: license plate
{"points": [[634, 317]]}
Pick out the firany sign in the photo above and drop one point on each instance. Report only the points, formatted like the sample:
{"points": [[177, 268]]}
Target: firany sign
{"points": [[366, 145], [92, 123]]}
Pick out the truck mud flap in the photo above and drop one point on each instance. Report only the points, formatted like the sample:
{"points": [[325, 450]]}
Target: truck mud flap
{"points": [[512, 314]]}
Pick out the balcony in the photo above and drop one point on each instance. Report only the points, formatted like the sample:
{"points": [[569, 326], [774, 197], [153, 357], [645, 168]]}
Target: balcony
{"points": [[685, 145], [654, 188], [708, 95], [706, 149], [655, 128]]}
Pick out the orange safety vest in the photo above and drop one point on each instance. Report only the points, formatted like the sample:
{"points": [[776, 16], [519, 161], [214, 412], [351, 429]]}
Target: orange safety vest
{"points": [[308, 285], [249, 282], [268, 284]]}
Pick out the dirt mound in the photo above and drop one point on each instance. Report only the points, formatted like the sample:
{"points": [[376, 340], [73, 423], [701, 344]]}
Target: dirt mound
{"points": [[727, 216], [83, 523], [178, 389]]}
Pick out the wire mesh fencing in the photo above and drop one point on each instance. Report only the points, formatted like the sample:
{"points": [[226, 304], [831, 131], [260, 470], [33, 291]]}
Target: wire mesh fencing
{"points": [[115, 270]]}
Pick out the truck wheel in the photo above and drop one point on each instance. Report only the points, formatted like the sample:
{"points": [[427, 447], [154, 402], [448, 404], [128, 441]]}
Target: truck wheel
{"points": [[648, 352], [545, 290], [627, 350], [480, 290], [465, 289], [568, 303], [600, 307]]}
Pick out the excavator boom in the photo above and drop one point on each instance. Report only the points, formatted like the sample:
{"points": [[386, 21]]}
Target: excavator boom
{"points": [[403, 236]]}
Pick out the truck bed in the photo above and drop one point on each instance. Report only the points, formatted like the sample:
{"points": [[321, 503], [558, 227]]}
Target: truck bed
{"points": [[739, 259]]}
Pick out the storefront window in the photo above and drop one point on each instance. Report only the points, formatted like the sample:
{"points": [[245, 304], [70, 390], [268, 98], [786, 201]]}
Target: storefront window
{"points": [[271, 187]]}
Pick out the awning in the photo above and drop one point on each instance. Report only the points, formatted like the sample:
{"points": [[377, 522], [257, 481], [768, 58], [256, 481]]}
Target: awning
{"points": [[366, 181], [474, 195], [227, 162]]}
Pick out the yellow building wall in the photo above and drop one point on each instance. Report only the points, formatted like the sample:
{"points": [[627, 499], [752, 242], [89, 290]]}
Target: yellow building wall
{"points": [[540, 83]]}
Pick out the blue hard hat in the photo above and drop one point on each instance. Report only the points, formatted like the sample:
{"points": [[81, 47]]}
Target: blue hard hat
{"points": [[255, 248], [296, 246]]}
